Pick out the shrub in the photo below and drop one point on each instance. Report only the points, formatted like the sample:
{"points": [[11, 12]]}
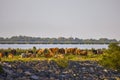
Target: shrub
{"points": [[1, 69], [112, 58], [63, 63]]}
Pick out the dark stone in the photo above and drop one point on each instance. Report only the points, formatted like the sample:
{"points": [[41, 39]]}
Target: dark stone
{"points": [[77, 70]]}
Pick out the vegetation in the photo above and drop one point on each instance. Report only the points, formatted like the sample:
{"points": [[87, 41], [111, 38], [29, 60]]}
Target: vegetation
{"points": [[1, 69], [60, 40], [67, 57], [63, 63], [112, 57]]}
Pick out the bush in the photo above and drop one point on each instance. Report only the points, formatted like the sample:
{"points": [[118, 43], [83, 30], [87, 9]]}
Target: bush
{"points": [[112, 58], [63, 63], [1, 69]]}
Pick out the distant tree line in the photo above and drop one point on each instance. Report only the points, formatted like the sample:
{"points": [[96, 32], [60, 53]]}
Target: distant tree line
{"points": [[60, 40]]}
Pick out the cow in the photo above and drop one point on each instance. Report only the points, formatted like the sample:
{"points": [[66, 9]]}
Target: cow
{"points": [[58, 56], [61, 51], [23, 55], [33, 56], [28, 55], [13, 51], [54, 50], [70, 50], [1, 55], [39, 52], [94, 51], [10, 55], [48, 53], [84, 53], [29, 51], [6, 54], [98, 51], [78, 51]]}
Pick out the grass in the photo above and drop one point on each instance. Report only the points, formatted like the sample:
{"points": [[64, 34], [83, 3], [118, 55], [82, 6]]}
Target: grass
{"points": [[18, 58], [63, 63], [90, 57]]}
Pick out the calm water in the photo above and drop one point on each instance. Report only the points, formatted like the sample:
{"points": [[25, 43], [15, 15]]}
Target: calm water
{"points": [[27, 46]]}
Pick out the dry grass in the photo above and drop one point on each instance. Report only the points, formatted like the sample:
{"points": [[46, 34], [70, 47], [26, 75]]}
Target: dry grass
{"points": [[90, 57]]}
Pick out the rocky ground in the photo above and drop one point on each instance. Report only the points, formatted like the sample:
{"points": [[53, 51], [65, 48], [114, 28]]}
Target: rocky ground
{"points": [[44, 70]]}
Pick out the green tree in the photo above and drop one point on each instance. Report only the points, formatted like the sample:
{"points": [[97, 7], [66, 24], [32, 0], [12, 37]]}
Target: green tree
{"points": [[112, 58]]}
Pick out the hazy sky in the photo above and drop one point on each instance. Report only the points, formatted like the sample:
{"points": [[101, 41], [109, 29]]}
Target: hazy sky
{"points": [[60, 18]]}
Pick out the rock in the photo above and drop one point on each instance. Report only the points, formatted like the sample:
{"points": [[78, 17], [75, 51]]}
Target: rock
{"points": [[74, 74], [19, 70], [52, 78], [65, 72], [27, 73], [84, 69], [105, 70], [7, 64], [23, 78], [8, 71], [57, 72], [34, 77], [42, 70], [91, 70], [62, 77]]}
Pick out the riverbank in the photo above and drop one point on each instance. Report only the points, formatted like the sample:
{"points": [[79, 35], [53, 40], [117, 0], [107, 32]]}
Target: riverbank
{"points": [[49, 70]]}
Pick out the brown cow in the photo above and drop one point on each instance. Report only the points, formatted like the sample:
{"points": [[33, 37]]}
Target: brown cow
{"points": [[33, 56], [28, 55], [39, 51], [61, 51], [54, 50], [70, 50], [78, 51], [84, 53], [59, 56], [10, 55], [48, 53], [13, 51], [1, 55]]}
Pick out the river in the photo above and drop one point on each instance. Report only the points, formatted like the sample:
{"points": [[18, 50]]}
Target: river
{"points": [[27, 46]]}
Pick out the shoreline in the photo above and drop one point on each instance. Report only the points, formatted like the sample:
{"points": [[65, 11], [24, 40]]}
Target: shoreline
{"points": [[39, 70]]}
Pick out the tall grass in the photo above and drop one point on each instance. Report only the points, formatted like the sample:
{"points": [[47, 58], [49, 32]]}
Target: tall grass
{"points": [[91, 57]]}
